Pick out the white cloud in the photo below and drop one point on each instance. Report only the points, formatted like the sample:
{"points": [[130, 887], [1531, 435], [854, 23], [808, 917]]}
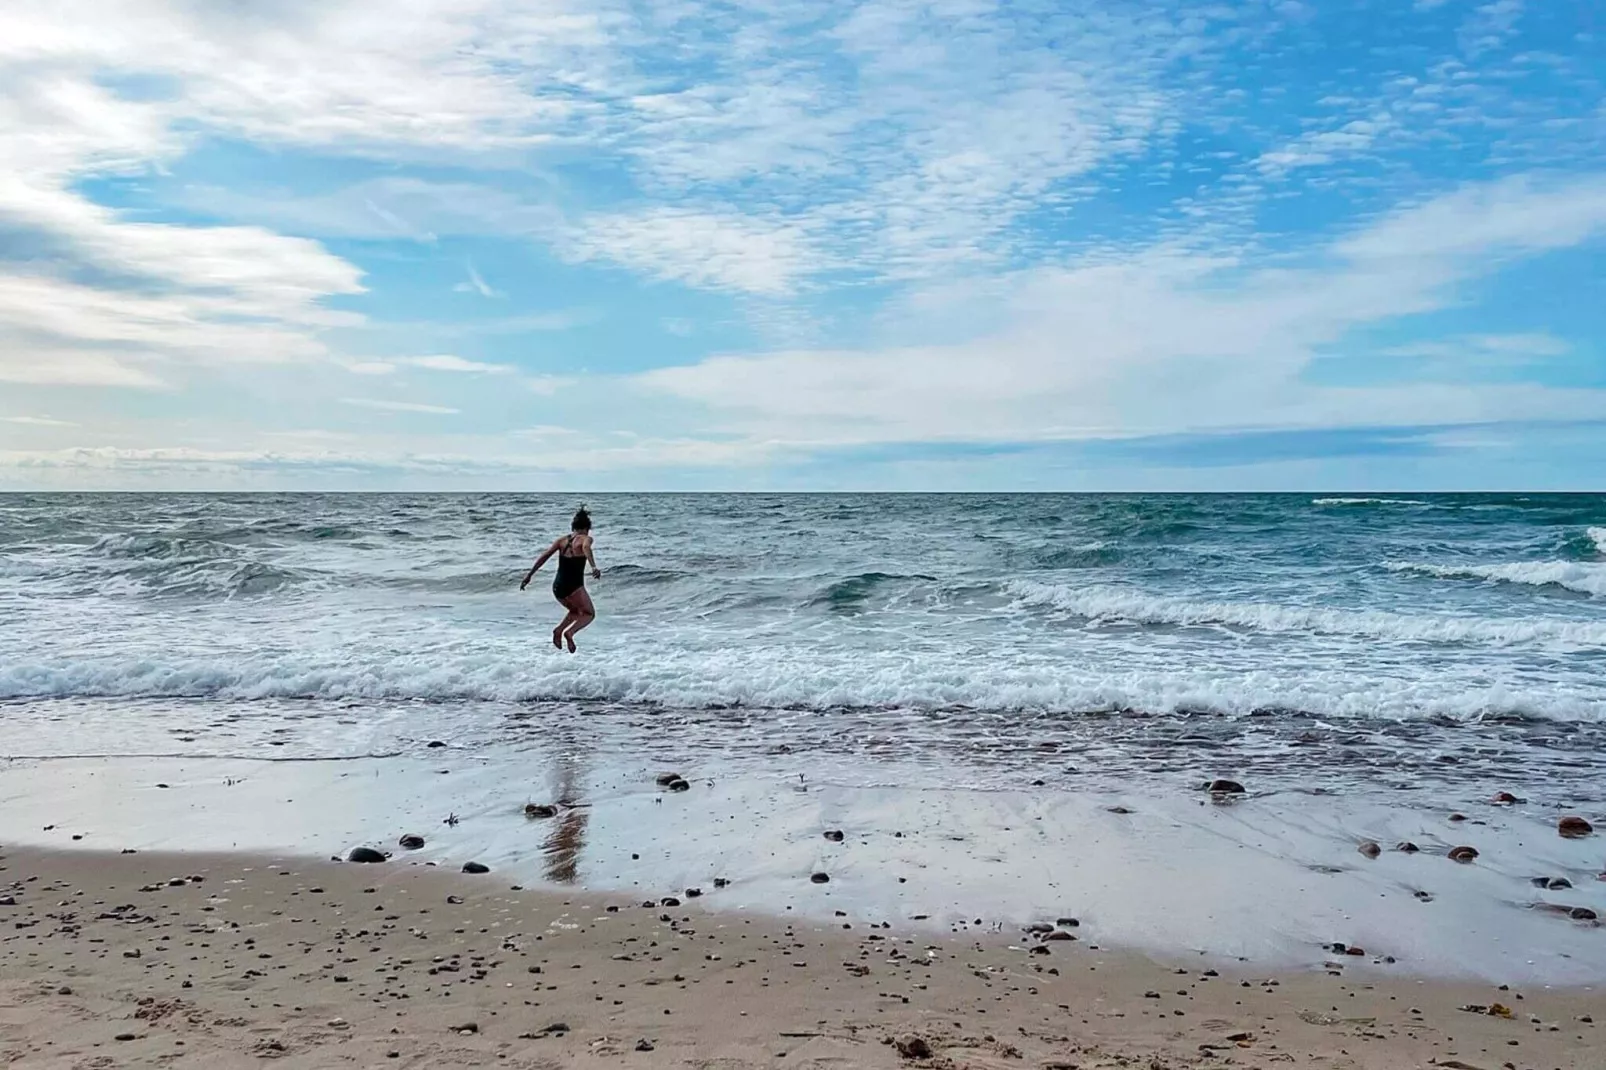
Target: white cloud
{"points": [[399, 406], [447, 363], [1489, 26], [37, 421], [733, 252], [1165, 342], [477, 284], [1483, 350]]}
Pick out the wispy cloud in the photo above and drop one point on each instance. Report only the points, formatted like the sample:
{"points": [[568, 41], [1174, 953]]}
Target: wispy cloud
{"points": [[399, 406], [477, 284], [1165, 342], [445, 362], [37, 421]]}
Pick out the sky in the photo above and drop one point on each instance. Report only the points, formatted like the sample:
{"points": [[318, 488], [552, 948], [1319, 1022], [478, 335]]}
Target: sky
{"points": [[802, 245]]}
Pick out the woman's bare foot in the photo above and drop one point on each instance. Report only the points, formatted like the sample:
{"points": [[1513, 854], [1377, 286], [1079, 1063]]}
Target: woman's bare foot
{"points": [[557, 638], [570, 639]]}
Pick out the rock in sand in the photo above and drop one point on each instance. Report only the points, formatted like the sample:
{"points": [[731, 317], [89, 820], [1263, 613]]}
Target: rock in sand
{"points": [[1370, 849], [1463, 854], [1224, 787], [476, 867], [366, 854], [1574, 827], [411, 841]]}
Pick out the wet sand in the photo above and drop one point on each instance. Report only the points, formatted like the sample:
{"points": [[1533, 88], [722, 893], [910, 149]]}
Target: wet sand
{"points": [[153, 959], [1272, 878]]}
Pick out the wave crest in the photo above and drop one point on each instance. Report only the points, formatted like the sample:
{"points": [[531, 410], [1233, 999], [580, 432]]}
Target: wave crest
{"points": [[1570, 575], [1119, 605]]}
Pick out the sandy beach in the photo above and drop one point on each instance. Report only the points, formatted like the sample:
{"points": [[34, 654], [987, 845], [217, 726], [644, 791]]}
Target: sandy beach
{"points": [[148, 959]]}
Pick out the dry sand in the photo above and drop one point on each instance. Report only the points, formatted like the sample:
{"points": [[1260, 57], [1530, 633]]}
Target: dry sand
{"points": [[119, 960]]}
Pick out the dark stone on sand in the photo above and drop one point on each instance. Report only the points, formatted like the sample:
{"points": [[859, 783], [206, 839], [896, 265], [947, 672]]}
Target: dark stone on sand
{"points": [[435, 744], [455, 900], [131, 953], [912, 1046], [666, 779], [557, 1027], [1505, 798], [1039, 783], [669, 901], [64, 991], [411, 841], [1407, 846], [1463, 854], [466, 1028], [679, 785], [476, 867], [1039, 928], [365, 854], [721, 882], [1370, 849], [1355, 951], [534, 810], [124, 1036], [1118, 810], [644, 1045], [1583, 914], [1574, 827], [1224, 787], [1458, 817], [1067, 923], [821, 878], [1040, 949], [834, 835], [1554, 884], [1059, 934], [693, 893], [8, 900]]}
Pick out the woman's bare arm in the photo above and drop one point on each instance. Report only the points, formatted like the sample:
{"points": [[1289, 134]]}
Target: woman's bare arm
{"points": [[596, 573], [530, 575]]}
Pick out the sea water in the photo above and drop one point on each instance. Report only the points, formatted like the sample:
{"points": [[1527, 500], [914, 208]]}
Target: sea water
{"points": [[969, 625]]}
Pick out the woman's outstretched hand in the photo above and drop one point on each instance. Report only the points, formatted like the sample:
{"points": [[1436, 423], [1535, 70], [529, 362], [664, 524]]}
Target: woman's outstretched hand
{"points": [[526, 582], [596, 574]]}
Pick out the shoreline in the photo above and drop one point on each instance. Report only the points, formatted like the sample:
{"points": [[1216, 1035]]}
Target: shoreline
{"points": [[1269, 882], [323, 963]]}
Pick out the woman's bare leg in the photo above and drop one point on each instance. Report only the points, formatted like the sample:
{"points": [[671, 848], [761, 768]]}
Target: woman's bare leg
{"points": [[583, 613], [557, 633]]}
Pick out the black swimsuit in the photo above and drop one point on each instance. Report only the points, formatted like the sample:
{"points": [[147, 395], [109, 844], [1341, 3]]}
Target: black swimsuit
{"points": [[571, 575]]}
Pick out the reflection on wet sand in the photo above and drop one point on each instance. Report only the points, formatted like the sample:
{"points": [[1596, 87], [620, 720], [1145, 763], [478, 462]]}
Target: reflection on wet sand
{"points": [[562, 848]]}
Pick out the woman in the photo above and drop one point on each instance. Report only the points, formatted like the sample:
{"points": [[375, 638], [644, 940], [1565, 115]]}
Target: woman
{"points": [[569, 587]]}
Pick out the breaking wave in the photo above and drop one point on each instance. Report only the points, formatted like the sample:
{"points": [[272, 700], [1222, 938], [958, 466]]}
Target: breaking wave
{"points": [[1115, 605]]}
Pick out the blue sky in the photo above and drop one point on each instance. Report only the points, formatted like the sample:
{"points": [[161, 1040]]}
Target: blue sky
{"points": [[786, 244]]}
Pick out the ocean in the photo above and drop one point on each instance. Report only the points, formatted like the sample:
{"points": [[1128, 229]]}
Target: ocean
{"points": [[1003, 679], [946, 617]]}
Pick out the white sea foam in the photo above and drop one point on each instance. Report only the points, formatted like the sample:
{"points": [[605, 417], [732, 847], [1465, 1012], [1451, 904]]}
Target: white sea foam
{"points": [[1116, 604], [761, 677], [1599, 537], [1366, 501], [1584, 577]]}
